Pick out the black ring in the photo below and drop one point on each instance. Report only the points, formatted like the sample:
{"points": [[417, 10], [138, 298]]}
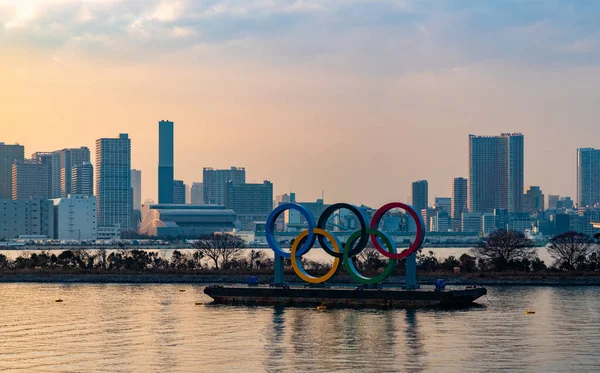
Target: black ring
{"points": [[322, 223]]}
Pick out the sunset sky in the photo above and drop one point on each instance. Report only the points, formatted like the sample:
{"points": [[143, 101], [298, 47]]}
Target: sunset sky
{"points": [[354, 98]]}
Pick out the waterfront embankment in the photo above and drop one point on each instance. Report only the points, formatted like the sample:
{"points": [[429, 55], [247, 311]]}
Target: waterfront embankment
{"points": [[187, 278]]}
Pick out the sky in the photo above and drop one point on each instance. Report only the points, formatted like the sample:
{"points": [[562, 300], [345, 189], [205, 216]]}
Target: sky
{"points": [[351, 98]]}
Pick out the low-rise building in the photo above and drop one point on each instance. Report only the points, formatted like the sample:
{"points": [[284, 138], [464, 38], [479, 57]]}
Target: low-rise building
{"points": [[34, 216], [170, 220], [75, 218]]}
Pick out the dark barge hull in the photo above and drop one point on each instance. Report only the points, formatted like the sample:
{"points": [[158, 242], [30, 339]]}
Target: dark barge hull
{"points": [[342, 297]]}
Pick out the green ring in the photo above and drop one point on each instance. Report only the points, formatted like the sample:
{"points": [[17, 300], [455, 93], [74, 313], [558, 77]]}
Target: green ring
{"points": [[352, 269]]}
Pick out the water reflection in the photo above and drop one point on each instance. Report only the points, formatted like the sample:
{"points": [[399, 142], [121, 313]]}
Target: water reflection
{"points": [[141, 328]]}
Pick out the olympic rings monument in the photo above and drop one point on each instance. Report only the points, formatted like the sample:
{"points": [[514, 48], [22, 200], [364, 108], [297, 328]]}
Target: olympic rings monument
{"points": [[365, 291]]}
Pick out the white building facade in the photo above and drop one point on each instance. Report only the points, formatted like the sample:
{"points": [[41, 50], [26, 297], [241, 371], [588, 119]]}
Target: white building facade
{"points": [[75, 218]]}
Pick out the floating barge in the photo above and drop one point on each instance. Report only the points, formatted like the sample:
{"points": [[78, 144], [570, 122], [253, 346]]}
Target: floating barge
{"points": [[339, 297]]}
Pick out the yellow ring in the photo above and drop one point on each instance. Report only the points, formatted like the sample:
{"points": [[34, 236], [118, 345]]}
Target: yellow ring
{"points": [[296, 260]]}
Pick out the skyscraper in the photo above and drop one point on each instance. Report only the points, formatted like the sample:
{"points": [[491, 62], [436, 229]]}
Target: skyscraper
{"points": [[8, 155], [29, 180], [197, 194], [46, 158], [459, 197], [113, 182], [215, 180], [165, 161], [496, 172], [588, 177], [82, 180], [136, 185], [69, 158], [178, 192], [420, 195]]}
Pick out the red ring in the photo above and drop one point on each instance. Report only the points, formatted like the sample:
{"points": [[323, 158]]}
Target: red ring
{"points": [[416, 245]]}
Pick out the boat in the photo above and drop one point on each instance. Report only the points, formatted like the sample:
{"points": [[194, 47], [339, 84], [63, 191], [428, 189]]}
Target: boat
{"points": [[342, 296]]}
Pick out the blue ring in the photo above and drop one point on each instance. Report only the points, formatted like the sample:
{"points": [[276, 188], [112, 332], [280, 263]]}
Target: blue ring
{"points": [[270, 229]]}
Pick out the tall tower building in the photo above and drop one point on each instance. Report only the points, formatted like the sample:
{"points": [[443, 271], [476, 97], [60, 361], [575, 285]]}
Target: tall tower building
{"points": [[496, 173], [113, 182], [588, 177], [215, 181], [69, 158], [165, 161], [45, 158], [136, 185], [197, 194], [459, 197], [8, 155], [29, 180], [178, 192], [82, 179], [420, 195]]}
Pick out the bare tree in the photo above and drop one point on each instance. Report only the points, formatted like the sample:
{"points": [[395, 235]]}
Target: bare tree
{"points": [[220, 248], [502, 247], [570, 248]]}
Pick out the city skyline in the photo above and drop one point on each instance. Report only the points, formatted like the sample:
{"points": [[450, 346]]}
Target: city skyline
{"points": [[429, 75]]}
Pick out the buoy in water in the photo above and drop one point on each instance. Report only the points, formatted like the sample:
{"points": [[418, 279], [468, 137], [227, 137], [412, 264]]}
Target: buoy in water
{"points": [[58, 301], [181, 290], [528, 312], [321, 308], [199, 303]]}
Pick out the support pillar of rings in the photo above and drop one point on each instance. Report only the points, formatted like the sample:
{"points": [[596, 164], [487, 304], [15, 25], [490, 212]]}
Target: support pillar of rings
{"points": [[411, 271], [278, 265]]}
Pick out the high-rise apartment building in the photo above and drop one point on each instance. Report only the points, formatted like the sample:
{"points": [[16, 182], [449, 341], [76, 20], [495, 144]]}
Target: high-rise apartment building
{"points": [[588, 177], [214, 182], [165, 161], [113, 182], [8, 155], [420, 195], [459, 197], [45, 158], [29, 180], [496, 172], [197, 194], [82, 180], [443, 204], [136, 185], [178, 192], [69, 158], [251, 202]]}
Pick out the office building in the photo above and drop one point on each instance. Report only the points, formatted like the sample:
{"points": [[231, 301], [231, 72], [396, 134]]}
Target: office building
{"points": [[441, 221], [553, 201], [420, 195], [427, 214], [496, 172], [82, 180], [113, 182], [178, 192], [533, 200], [29, 180], [588, 177], [9, 154], [165, 161], [75, 218], [471, 222], [459, 197], [251, 202], [488, 222], [565, 203], [443, 204], [26, 217], [197, 194], [136, 186], [214, 182]]}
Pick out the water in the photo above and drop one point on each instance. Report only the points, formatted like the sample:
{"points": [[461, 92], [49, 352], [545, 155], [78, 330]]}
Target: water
{"points": [[154, 328]]}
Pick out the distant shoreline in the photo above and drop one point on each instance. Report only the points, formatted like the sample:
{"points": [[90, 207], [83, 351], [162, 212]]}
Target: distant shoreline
{"points": [[173, 278]]}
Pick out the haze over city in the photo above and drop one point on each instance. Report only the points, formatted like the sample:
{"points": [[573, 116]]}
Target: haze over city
{"points": [[354, 98]]}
